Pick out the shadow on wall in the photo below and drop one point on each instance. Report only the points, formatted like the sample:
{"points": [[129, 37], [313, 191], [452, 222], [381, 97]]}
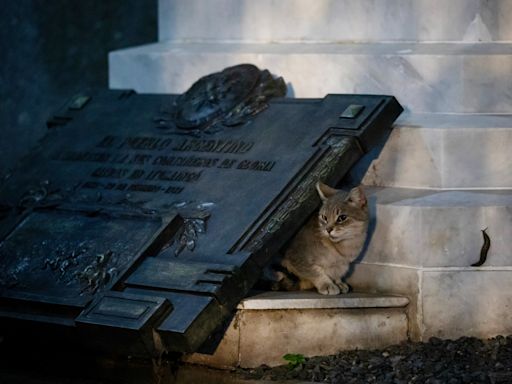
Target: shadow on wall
{"points": [[54, 49], [354, 178]]}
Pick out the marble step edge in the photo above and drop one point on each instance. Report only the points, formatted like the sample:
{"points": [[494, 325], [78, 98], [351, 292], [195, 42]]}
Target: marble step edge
{"points": [[262, 332], [445, 302], [438, 228], [314, 300], [335, 19], [438, 197], [421, 269], [442, 151], [339, 48], [423, 77], [433, 120]]}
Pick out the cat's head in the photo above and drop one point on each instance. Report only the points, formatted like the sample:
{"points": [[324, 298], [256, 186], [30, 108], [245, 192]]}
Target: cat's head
{"points": [[342, 216]]}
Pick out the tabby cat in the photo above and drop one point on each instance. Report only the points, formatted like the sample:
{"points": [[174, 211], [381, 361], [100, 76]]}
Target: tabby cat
{"points": [[320, 255]]}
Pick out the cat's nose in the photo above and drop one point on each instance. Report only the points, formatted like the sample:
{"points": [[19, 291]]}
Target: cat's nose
{"points": [[329, 229]]}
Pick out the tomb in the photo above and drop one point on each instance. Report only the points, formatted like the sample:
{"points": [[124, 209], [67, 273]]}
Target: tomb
{"points": [[148, 217]]}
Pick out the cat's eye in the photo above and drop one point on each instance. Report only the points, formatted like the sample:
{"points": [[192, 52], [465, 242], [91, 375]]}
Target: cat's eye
{"points": [[341, 218], [323, 217]]}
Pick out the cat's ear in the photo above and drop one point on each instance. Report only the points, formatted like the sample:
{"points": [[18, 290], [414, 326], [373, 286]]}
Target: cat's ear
{"points": [[324, 191], [356, 197]]}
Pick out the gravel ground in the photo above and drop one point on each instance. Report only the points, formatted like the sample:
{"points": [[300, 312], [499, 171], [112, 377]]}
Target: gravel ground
{"points": [[466, 360]]}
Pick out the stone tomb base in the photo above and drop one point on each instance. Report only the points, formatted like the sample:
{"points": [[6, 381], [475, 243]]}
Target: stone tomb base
{"points": [[272, 324], [446, 302]]}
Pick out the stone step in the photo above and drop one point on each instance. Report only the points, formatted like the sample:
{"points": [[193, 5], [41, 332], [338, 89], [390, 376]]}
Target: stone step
{"points": [[443, 151], [335, 20], [445, 302], [269, 325], [422, 244], [430, 228], [437, 77]]}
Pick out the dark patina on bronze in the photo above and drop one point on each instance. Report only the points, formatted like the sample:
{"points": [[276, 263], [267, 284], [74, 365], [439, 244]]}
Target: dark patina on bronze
{"points": [[223, 99], [111, 229]]}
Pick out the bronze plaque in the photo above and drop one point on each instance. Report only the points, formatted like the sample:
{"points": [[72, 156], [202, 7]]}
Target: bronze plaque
{"points": [[158, 212]]}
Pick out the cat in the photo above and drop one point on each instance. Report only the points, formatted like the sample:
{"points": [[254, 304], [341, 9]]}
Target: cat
{"points": [[321, 253]]}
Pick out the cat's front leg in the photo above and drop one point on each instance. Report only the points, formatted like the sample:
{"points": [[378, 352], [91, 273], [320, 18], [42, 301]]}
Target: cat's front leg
{"points": [[323, 283], [328, 288], [344, 287], [336, 273]]}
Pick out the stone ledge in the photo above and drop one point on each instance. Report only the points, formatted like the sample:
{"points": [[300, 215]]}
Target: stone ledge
{"points": [[432, 228], [445, 302], [314, 300], [435, 77], [257, 337], [271, 324], [369, 48], [454, 121], [438, 145]]}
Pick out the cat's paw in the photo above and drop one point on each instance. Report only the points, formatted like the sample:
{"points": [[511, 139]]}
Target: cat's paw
{"points": [[344, 287], [329, 289]]}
